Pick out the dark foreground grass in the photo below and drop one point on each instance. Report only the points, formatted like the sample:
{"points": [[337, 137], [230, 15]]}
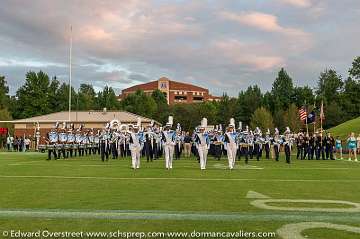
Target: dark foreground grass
{"points": [[85, 194]]}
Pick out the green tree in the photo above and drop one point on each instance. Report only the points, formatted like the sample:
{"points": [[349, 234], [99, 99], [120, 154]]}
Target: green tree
{"points": [[4, 91], [5, 116], [279, 120], [247, 103], [329, 85], [292, 119], [262, 118], [52, 95], [303, 95], [33, 96], [282, 90], [354, 71], [62, 97], [162, 107], [86, 97], [107, 99], [268, 101], [334, 115], [206, 110], [185, 114], [226, 109], [140, 103], [350, 99]]}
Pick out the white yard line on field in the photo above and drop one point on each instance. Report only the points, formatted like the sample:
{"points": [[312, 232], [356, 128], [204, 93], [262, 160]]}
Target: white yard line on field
{"points": [[169, 215], [178, 178]]}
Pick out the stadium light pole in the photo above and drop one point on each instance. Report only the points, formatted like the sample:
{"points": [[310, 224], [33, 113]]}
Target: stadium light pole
{"points": [[70, 73]]}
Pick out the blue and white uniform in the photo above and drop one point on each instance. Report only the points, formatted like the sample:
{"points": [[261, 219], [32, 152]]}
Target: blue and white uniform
{"points": [[202, 142], [351, 142], [231, 147], [136, 143], [168, 141], [338, 145]]}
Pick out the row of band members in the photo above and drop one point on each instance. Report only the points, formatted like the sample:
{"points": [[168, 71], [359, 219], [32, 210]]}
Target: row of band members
{"points": [[152, 142]]}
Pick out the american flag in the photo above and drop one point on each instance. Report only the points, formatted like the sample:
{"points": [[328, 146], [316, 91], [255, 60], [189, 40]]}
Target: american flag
{"points": [[302, 114]]}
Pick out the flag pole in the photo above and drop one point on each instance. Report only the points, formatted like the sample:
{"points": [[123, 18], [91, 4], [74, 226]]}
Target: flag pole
{"points": [[314, 124], [70, 73], [321, 116], [306, 119]]}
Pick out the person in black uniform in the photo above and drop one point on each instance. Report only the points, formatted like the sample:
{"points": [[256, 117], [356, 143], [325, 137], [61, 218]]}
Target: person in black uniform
{"points": [[267, 144], [287, 144], [277, 141], [311, 147], [319, 149], [300, 146], [114, 138], [251, 140], [306, 146], [148, 144], [329, 146], [217, 142], [244, 143], [193, 147], [178, 142], [258, 143], [187, 144]]}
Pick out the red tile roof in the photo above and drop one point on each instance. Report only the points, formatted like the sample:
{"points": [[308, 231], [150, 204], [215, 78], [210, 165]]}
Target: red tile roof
{"points": [[173, 85]]}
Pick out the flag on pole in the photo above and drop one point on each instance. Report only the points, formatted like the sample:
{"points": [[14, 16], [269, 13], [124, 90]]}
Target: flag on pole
{"points": [[322, 115], [302, 113], [311, 118]]}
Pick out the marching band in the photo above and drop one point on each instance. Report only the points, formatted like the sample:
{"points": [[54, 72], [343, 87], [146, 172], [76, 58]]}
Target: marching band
{"points": [[120, 140]]}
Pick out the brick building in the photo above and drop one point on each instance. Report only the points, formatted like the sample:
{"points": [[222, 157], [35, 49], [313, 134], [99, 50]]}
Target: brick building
{"points": [[175, 92]]}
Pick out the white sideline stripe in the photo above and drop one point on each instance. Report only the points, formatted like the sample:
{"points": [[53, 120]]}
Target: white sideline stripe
{"points": [[31, 163], [168, 215], [111, 165], [184, 179], [36, 163]]}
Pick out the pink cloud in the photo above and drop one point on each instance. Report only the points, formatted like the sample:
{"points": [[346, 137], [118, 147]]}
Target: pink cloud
{"points": [[298, 39], [258, 20], [261, 21], [298, 3], [257, 56], [95, 33]]}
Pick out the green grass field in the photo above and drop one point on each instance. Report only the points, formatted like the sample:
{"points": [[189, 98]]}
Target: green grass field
{"points": [[343, 130], [85, 194]]}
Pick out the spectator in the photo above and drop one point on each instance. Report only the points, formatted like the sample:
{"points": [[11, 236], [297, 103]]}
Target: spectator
{"points": [[8, 142], [27, 142], [187, 144], [16, 143]]}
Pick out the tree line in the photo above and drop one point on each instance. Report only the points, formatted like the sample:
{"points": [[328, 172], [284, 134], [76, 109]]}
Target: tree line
{"points": [[275, 108]]}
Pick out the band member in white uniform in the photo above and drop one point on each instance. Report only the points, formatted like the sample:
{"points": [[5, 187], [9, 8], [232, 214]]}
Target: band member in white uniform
{"points": [[230, 143], [52, 139], [168, 141], [136, 144], [202, 142], [63, 137]]}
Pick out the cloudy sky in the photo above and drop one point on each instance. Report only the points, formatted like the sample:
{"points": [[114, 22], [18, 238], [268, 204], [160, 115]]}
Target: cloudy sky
{"points": [[223, 45]]}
